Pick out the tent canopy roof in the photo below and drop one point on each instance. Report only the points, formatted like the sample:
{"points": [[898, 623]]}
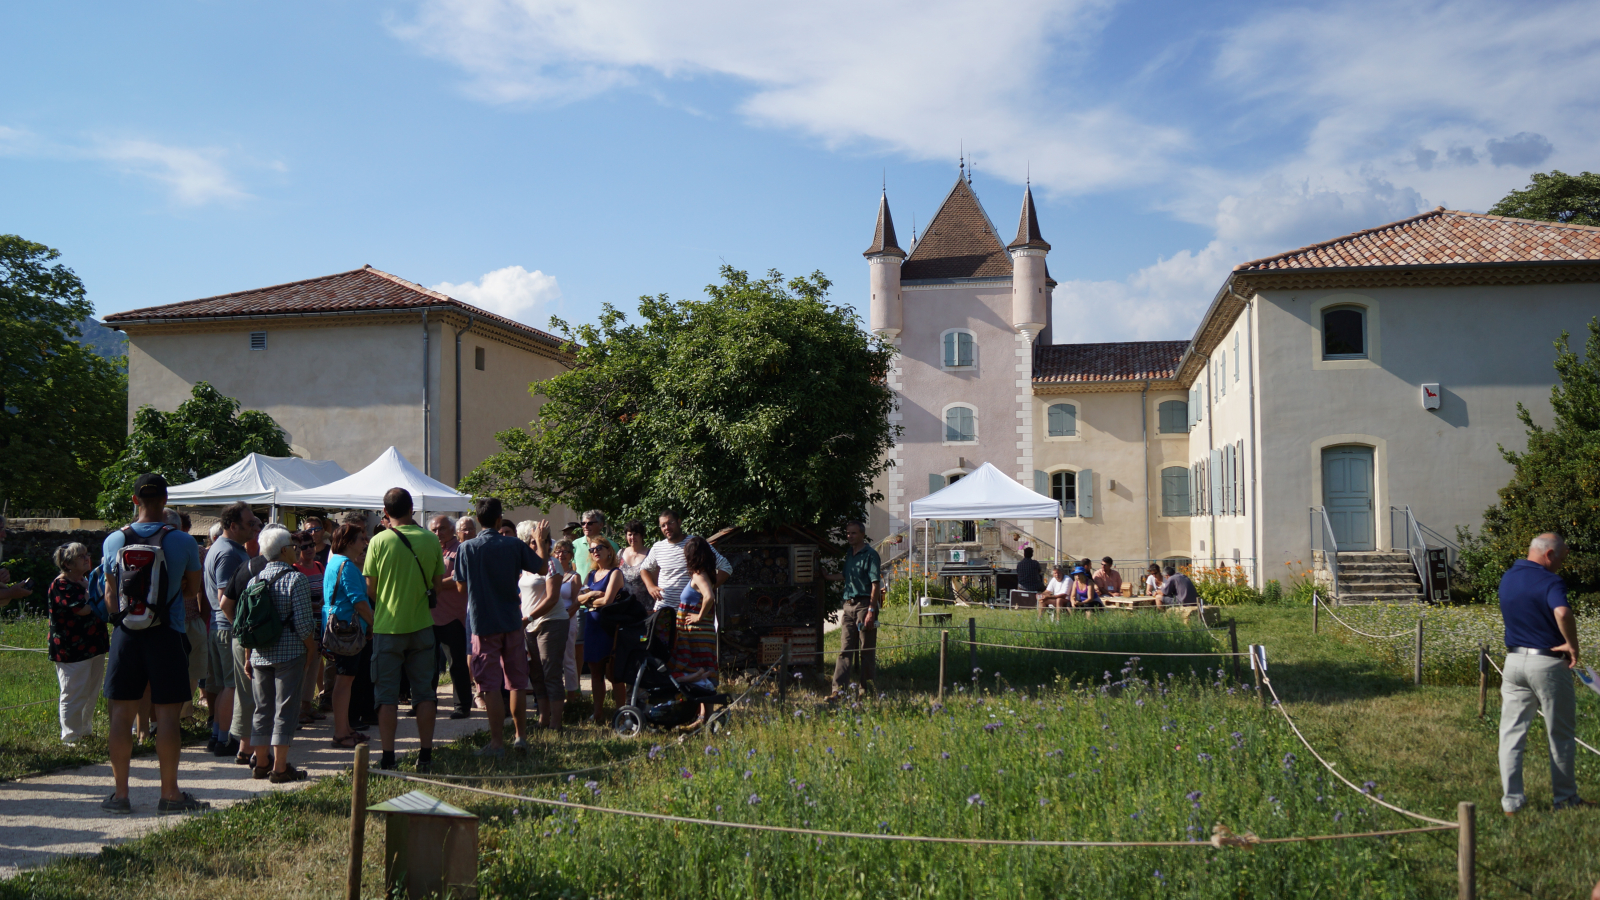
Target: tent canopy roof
{"points": [[985, 494], [365, 489], [256, 479]]}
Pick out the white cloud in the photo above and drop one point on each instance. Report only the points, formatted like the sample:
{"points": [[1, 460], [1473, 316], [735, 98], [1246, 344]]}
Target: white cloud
{"points": [[513, 292], [193, 176]]}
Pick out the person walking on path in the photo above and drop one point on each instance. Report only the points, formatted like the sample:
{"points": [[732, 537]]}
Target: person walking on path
{"points": [[450, 623], [487, 570], [156, 656], [863, 601], [404, 572], [278, 668], [78, 641], [345, 600], [1541, 636]]}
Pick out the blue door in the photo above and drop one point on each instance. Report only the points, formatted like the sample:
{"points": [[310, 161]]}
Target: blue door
{"points": [[1348, 495]]}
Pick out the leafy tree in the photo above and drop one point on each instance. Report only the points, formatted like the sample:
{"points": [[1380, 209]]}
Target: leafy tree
{"points": [[1556, 197], [64, 408], [1555, 485], [758, 406], [204, 435]]}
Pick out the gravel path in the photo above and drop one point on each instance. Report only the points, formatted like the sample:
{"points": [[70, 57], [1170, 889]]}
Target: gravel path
{"points": [[59, 814]]}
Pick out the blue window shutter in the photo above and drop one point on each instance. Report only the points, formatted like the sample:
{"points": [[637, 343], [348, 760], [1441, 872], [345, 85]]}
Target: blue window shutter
{"points": [[1041, 482], [1238, 455], [1062, 420], [1236, 366], [963, 349], [950, 349], [1086, 493], [1174, 491], [935, 483]]}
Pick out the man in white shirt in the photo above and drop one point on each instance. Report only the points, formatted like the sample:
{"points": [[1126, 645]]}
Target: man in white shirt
{"points": [[1056, 592], [664, 573]]}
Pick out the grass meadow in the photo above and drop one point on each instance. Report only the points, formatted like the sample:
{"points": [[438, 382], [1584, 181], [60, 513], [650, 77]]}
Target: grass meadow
{"points": [[1451, 636]]}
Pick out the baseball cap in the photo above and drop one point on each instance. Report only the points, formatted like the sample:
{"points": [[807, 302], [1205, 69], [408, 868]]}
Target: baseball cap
{"points": [[149, 485]]}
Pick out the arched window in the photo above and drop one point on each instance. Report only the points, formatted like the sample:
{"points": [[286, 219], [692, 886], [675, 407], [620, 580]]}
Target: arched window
{"points": [[1064, 490], [960, 425], [1175, 491], [959, 349], [1344, 333], [1062, 419], [1173, 416]]}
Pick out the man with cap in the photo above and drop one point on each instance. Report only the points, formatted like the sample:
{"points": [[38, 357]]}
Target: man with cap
{"points": [[155, 658]]}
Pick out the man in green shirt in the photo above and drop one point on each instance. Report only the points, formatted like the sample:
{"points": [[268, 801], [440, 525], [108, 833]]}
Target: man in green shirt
{"points": [[404, 565], [594, 526], [863, 601]]}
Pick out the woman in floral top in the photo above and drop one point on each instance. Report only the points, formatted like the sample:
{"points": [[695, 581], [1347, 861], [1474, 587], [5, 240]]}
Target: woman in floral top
{"points": [[78, 641]]}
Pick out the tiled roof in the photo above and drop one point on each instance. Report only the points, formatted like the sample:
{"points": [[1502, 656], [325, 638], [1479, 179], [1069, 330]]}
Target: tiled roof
{"points": [[1028, 226], [959, 242], [1442, 237], [883, 242], [1126, 361], [359, 290]]}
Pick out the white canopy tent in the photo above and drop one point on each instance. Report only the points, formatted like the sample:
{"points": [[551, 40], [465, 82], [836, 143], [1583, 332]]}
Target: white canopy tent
{"points": [[256, 479], [984, 494], [365, 489]]}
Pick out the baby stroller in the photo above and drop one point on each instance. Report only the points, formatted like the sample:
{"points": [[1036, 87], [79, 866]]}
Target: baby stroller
{"points": [[656, 702]]}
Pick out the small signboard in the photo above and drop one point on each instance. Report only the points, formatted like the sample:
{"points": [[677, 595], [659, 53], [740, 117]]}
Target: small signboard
{"points": [[1438, 575], [1430, 396]]}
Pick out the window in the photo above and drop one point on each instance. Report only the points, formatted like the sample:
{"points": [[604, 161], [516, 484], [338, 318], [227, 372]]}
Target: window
{"points": [[1344, 333], [477, 359], [1062, 419], [960, 425], [1175, 491], [1064, 490], [258, 340], [1196, 406], [1176, 563], [1173, 417], [958, 349]]}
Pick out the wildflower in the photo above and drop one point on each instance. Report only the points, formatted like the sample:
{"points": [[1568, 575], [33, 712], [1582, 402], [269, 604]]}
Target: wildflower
{"points": [[905, 767], [747, 774], [1194, 798], [563, 798], [1043, 801], [992, 727], [1367, 786], [799, 713], [1139, 702], [1160, 877], [750, 754], [755, 800], [593, 786], [945, 755], [1204, 757], [1288, 761], [883, 826], [686, 774], [830, 751], [975, 800], [712, 751], [656, 751], [571, 778], [1337, 816]]}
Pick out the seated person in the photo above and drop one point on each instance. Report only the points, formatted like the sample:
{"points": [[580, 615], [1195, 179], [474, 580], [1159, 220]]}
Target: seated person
{"points": [[1178, 591], [1083, 592], [1108, 580], [1029, 576], [1153, 581], [1055, 593]]}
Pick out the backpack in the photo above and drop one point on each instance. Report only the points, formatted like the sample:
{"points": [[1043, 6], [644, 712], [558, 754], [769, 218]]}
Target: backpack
{"points": [[141, 593], [256, 625]]}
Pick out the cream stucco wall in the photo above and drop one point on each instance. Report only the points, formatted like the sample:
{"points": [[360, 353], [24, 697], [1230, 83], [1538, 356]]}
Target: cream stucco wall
{"points": [[1226, 404]]}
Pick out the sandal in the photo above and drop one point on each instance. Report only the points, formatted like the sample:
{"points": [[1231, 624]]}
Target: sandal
{"points": [[348, 742], [260, 772], [306, 718], [244, 759], [289, 773]]}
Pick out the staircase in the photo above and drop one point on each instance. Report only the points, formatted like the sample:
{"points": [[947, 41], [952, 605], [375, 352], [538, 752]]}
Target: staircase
{"points": [[1382, 576]]}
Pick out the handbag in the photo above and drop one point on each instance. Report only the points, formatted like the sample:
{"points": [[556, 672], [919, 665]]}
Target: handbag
{"points": [[342, 638]]}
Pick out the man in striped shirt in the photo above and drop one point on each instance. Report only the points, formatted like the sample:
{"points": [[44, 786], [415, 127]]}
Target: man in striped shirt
{"points": [[665, 574]]}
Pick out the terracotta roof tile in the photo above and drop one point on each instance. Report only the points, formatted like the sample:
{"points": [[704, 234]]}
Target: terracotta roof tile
{"points": [[1126, 361], [960, 242], [359, 290], [1443, 237]]}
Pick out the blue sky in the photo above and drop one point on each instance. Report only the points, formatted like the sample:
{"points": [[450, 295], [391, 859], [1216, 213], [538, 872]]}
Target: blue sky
{"points": [[540, 157]]}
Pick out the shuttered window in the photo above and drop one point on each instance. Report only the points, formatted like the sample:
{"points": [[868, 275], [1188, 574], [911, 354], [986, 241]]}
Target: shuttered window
{"points": [[1064, 490], [1062, 419], [958, 349], [1172, 417], [960, 424], [1175, 491]]}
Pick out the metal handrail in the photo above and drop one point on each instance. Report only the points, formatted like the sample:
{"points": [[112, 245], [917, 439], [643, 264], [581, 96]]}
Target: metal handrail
{"points": [[1330, 544]]}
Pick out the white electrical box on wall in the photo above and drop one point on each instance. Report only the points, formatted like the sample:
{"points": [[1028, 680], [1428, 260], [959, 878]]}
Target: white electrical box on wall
{"points": [[1430, 396]]}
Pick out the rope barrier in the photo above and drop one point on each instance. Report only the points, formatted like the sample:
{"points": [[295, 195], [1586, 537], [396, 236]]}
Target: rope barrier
{"points": [[1138, 653], [23, 649], [612, 764], [1058, 633], [1278, 703], [1541, 712], [1218, 840], [21, 705], [1376, 637]]}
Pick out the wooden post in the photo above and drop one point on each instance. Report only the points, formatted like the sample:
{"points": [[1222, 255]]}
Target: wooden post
{"points": [[1255, 666], [1467, 851], [1483, 681], [358, 824], [783, 672], [1418, 674], [1233, 647], [944, 651], [1316, 617], [972, 645]]}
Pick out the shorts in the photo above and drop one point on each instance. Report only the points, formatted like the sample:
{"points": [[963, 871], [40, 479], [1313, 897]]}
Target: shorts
{"points": [[219, 660], [196, 631], [157, 658], [500, 661], [352, 665], [411, 653]]}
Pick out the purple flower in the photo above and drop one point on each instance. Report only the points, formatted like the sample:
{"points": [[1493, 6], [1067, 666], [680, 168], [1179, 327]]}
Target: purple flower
{"points": [[905, 767], [1043, 801], [755, 800], [883, 826], [1367, 786], [593, 786], [563, 798], [656, 751], [1204, 757], [975, 800], [944, 755], [747, 774], [686, 774], [1139, 702], [830, 751], [992, 727], [712, 751], [1194, 798], [1337, 816], [750, 754], [1288, 760], [799, 713], [571, 778]]}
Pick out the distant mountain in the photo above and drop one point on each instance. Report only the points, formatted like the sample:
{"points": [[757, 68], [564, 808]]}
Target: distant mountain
{"points": [[105, 342]]}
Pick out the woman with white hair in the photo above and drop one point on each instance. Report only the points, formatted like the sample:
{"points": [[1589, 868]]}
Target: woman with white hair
{"points": [[79, 641], [276, 670]]}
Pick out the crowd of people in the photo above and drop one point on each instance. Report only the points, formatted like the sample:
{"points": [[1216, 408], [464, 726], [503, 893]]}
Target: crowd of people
{"points": [[1079, 585]]}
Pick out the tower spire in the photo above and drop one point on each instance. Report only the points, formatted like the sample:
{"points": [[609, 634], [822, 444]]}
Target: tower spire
{"points": [[1028, 224], [883, 239]]}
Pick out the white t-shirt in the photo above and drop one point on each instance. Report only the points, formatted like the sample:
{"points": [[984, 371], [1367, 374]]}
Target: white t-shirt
{"points": [[672, 573], [1151, 585], [1057, 587], [533, 587]]}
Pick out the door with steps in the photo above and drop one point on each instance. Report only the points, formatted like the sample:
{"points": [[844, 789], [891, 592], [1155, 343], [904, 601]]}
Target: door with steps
{"points": [[1378, 577], [1347, 493]]}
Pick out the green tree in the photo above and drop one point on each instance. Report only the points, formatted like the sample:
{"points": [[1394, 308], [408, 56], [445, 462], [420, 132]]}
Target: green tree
{"points": [[758, 406], [64, 408], [1555, 485], [1556, 197], [204, 435]]}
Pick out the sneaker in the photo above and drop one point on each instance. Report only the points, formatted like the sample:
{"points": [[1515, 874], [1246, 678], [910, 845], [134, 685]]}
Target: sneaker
{"points": [[289, 773], [115, 804], [461, 714], [520, 745], [187, 803], [490, 752]]}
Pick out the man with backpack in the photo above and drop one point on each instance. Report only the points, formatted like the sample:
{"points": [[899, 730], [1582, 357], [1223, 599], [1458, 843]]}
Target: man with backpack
{"points": [[149, 568], [404, 571]]}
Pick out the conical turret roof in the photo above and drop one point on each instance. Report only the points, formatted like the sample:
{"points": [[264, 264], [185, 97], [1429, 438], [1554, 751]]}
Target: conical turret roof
{"points": [[960, 242], [883, 241], [1028, 226]]}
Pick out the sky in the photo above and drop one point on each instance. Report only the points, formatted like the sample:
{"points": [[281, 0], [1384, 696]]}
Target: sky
{"points": [[544, 157]]}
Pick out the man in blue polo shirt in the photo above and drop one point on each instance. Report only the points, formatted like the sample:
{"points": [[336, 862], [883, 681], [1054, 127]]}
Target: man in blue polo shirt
{"points": [[1541, 649]]}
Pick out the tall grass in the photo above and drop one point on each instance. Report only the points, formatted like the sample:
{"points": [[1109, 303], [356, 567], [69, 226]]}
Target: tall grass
{"points": [[1451, 636]]}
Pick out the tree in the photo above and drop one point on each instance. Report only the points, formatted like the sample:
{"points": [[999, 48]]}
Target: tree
{"points": [[1556, 197], [64, 407], [204, 435], [1555, 485], [759, 406]]}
